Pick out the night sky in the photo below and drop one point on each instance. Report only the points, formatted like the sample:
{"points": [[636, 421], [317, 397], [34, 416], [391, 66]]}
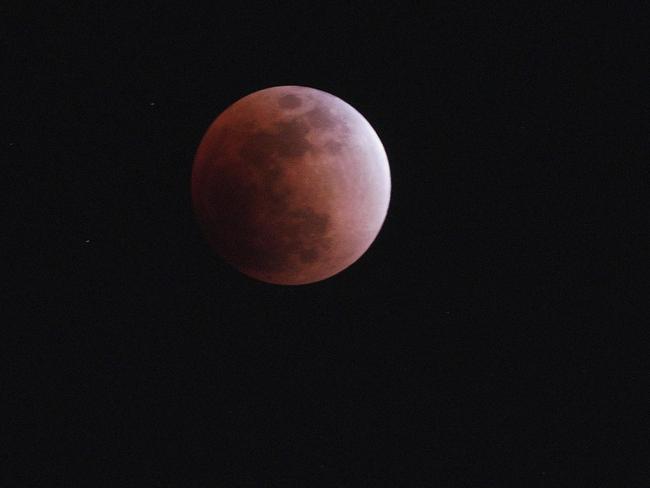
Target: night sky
{"points": [[491, 336]]}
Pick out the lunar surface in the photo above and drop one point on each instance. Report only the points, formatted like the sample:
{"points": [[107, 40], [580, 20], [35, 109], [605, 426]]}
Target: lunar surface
{"points": [[291, 185]]}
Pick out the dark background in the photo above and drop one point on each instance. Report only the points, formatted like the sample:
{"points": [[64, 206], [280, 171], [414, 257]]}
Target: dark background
{"points": [[489, 337]]}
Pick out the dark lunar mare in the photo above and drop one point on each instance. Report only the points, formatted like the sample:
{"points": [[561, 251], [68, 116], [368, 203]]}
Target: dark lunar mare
{"points": [[256, 206]]}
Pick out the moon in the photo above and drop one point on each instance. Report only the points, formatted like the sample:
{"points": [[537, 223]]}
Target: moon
{"points": [[290, 185]]}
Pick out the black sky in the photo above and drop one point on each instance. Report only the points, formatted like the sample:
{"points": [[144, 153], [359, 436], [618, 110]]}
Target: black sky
{"points": [[490, 336]]}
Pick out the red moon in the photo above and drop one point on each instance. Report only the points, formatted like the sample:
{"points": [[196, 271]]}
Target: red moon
{"points": [[291, 185]]}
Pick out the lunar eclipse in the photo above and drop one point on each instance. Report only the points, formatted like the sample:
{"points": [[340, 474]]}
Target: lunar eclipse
{"points": [[290, 185]]}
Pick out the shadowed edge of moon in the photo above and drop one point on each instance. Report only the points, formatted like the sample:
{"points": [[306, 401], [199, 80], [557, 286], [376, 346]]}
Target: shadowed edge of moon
{"points": [[271, 228]]}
